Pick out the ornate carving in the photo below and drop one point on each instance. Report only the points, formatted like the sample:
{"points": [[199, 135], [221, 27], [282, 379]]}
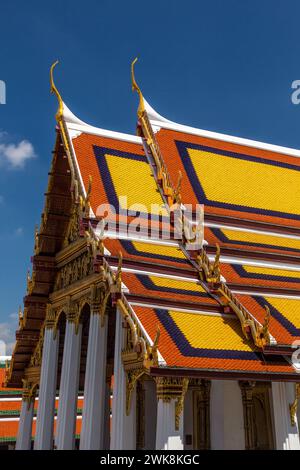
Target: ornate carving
{"points": [[118, 275], [36, 358], [141, 108], [100, 294], [21, 319], [73, 230], [29, 391], [263, 334], [138, 355], [294, 405], [132, 377], [50, 317], [180, 402], [247, 399], [162, 173], [172, 388], [72, 312], [250, 326], [75, 270], [30, 282], [87, 204], [54, 90], [210, 271], [9, 366], [201, 399], [36, 240], [257, 415], [177, 191]]}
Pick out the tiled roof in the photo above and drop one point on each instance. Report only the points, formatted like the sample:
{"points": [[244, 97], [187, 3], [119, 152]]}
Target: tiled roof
{"points": [[208, 342], [234, 180], [218, 174], [148, 252], [253, 241], [261, 276], [118, 169], [285, 315], [167, 288]]}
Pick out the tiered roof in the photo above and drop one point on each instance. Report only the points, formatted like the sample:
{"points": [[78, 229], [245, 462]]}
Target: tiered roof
{"points": [[233, 314]]}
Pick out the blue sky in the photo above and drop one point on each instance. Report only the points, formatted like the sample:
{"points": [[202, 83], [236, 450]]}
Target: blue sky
{"points": [[220, 65]]}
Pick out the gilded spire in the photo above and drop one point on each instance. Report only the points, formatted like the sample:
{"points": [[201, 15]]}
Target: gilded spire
{"points": [[54, 90], [135, 87]]}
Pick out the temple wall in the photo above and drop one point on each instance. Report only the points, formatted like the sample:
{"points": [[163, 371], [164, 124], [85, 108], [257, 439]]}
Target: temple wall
{"points": [[226, 416]]}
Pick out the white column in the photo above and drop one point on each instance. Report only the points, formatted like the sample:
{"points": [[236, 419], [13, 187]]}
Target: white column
{"points": [[25, 425], [123, 427], [68, 393], [47, 391], [107, 419], [167, 437], [150, 414], [169, 434], [91, 436], [286, 435], [226, 416]]}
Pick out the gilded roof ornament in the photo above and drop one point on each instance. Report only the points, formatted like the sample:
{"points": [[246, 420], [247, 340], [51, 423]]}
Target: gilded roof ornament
{"points": [[54, 90], [118, 275], [135, 87], [21, 318], [177, 191], [263, 333], [294, 406], [87, 204]]}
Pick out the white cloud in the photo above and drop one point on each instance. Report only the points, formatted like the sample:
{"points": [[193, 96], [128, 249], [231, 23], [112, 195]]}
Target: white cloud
{"points": [[7, 334], [1, 199], [18, 232], [15, 155]]}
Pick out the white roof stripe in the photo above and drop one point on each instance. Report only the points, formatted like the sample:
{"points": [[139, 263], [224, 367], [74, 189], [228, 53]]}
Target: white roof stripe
{"points": [[158, 121], [76, 126]]}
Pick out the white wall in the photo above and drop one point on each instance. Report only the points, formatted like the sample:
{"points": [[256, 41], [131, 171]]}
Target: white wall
{"points": [[286, 435], [226, 416]]}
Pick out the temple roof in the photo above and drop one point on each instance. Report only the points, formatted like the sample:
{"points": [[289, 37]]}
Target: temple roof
{"points": [[196, 332], [231, 305], [234, 180]]}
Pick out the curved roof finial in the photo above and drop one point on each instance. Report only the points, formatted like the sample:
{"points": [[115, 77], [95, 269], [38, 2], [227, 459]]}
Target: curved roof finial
{"points": [[135, 86], [54, 90]]}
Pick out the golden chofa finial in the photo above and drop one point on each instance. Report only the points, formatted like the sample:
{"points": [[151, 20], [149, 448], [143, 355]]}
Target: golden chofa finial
{"points": [[135, 87], [54, 90]]}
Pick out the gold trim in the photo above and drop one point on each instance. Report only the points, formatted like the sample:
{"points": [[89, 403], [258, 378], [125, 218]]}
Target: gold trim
{"points": [[141, 108], [250, 327], [201, 405], [210, 271], [172, 388], [294, 405], [36, 358], [138, 355], [29, 392], [50, 317], [180, 403], [54, 90]]}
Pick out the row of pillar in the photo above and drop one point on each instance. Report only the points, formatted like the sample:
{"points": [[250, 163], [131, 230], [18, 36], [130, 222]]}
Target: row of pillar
{"points": [[96, 392], [165, 423]]}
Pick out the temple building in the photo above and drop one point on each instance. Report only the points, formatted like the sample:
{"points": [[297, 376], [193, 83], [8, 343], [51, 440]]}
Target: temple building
{"points": [[167, 269]]}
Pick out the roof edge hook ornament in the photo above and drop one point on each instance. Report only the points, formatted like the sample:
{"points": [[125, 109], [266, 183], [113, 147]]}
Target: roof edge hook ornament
{"points": [[54, 90], [135, 87]]}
